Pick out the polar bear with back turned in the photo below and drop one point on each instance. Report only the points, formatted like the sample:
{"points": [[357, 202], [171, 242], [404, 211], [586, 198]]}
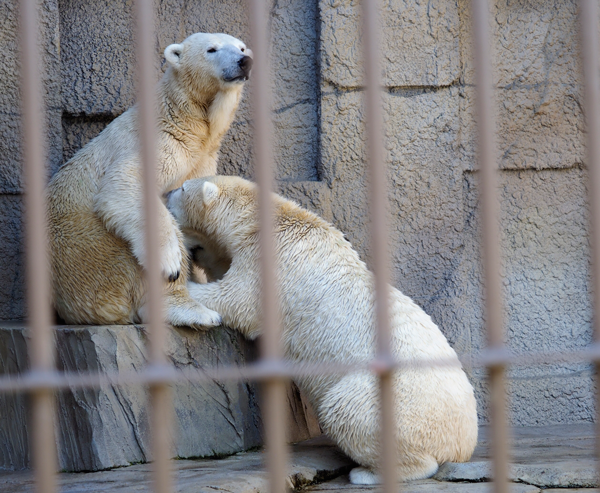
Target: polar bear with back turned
{"points": [[327, 306], [95, 200]]}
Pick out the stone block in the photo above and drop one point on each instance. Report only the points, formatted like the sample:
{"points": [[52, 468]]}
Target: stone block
{"points": [[538, 127], [424, 191], [310, 462], [420, 42], [105, 427], [312, 195], [545, 276], [565, 474], [10, 99], [12, 274], [97, 56], [538, 81], [531, 46], [77, 131], [420, 486]]}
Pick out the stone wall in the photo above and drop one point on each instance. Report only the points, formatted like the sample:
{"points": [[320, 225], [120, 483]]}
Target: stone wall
{"points": [[320, 153]]}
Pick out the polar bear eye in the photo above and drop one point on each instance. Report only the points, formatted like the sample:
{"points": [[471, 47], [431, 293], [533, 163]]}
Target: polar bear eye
{"points": [[211, 50], [242, 50]]}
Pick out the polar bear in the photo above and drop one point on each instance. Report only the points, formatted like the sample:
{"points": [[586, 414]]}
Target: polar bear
{"points": [[327, 307], [96, 221]]}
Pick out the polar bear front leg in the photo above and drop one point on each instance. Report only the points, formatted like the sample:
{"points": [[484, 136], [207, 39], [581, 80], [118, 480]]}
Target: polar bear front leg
{"points": [[119, 204], [237, 304]]}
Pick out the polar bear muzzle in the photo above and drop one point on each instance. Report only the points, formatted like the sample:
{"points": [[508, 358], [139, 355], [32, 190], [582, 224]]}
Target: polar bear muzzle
{"points": [[239, 73]]}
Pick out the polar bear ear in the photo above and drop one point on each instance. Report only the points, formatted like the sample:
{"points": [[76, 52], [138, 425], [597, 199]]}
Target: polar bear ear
{"points": [[173, 54], [210, 192]]}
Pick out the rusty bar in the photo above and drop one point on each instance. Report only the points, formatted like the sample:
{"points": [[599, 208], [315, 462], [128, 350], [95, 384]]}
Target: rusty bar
{"points": [[32, 381], [274, 388], [160, 405], [491, 236], [41, 348], [590, 53], [378, 216]]}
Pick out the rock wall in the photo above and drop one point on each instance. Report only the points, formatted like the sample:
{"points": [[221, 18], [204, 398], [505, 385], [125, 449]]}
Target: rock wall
{"points": [[320, 153], [108, 426]]}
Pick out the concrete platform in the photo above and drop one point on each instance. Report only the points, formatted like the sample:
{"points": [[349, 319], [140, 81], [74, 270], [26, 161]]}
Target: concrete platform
{"points": [[544, 458]]}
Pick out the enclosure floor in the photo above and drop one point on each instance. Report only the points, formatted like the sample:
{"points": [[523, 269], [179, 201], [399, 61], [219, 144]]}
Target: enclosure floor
{"points": [[542, 458]]}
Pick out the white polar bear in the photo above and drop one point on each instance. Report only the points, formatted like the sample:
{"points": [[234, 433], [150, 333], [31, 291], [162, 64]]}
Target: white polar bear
{"points": [[95, 215], [327, 306]]}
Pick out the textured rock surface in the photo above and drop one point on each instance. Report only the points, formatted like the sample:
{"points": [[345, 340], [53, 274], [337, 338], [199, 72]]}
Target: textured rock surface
{"points": [[547, 456], [422, 486], [319, 148], [108, 426], [550, 456], [11, 183], [311, 461]]}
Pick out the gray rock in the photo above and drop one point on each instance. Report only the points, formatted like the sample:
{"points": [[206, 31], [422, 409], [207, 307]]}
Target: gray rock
{"points": [[422, 486], [12, 273], [467, 471], [10, 99], [107, 426], [565, 474], [548, 456], [319, 150], [420, 43], [545, 264], [243, 473]]}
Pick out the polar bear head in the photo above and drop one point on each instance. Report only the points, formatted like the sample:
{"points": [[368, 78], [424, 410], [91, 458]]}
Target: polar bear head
{"points": [[223, 208], [210, 62]]}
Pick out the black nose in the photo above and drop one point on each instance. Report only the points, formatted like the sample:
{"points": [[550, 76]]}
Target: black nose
{"points": [[245, 64]]}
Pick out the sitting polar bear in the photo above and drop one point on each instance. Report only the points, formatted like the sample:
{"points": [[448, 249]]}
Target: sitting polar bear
{"points": [[327, 306], [96, 221]]}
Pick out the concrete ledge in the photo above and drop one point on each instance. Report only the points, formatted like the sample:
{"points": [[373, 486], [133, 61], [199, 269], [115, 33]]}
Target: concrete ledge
{"points": [[107, 427], [311, 462]]}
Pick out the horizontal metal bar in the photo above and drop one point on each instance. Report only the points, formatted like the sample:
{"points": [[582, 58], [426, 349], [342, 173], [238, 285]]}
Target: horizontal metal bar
{"points": [[156, 374]]}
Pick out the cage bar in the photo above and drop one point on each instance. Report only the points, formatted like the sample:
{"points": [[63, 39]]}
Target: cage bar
{"points": [[588, 17], [160, 402], [42, 381], [41, 347], [378, 217], [489, 213], [271, 350]]}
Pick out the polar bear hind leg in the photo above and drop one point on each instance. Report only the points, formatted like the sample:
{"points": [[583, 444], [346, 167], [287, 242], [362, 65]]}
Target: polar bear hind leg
{"points": [[349, 414], [421, 469], [362, 475]]}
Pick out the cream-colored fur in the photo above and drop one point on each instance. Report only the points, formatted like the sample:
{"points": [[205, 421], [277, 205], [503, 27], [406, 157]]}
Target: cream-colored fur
{"points": [[95, 200], [327, 307]]}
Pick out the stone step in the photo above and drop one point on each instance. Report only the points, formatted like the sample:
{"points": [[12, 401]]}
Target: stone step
{"points": [[318, 467], [312, 461], [107, 427]]}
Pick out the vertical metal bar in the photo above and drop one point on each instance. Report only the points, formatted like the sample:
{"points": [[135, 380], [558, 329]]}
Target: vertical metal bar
{"points": [[491, 236], [159, 393], [378, 215], [274, 388], [588, 16], [41, 349]]}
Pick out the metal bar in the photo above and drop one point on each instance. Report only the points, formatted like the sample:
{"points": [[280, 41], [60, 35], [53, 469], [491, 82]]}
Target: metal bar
{"points": [[31, 381], [274, 388], [41, 348], [588, 16], [491, 236], [159, 391], [378, 216]]}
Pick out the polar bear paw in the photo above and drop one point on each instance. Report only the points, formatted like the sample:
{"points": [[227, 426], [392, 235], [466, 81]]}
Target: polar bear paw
{"points": [[197, 317], [362, 475], [171, 257]]}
